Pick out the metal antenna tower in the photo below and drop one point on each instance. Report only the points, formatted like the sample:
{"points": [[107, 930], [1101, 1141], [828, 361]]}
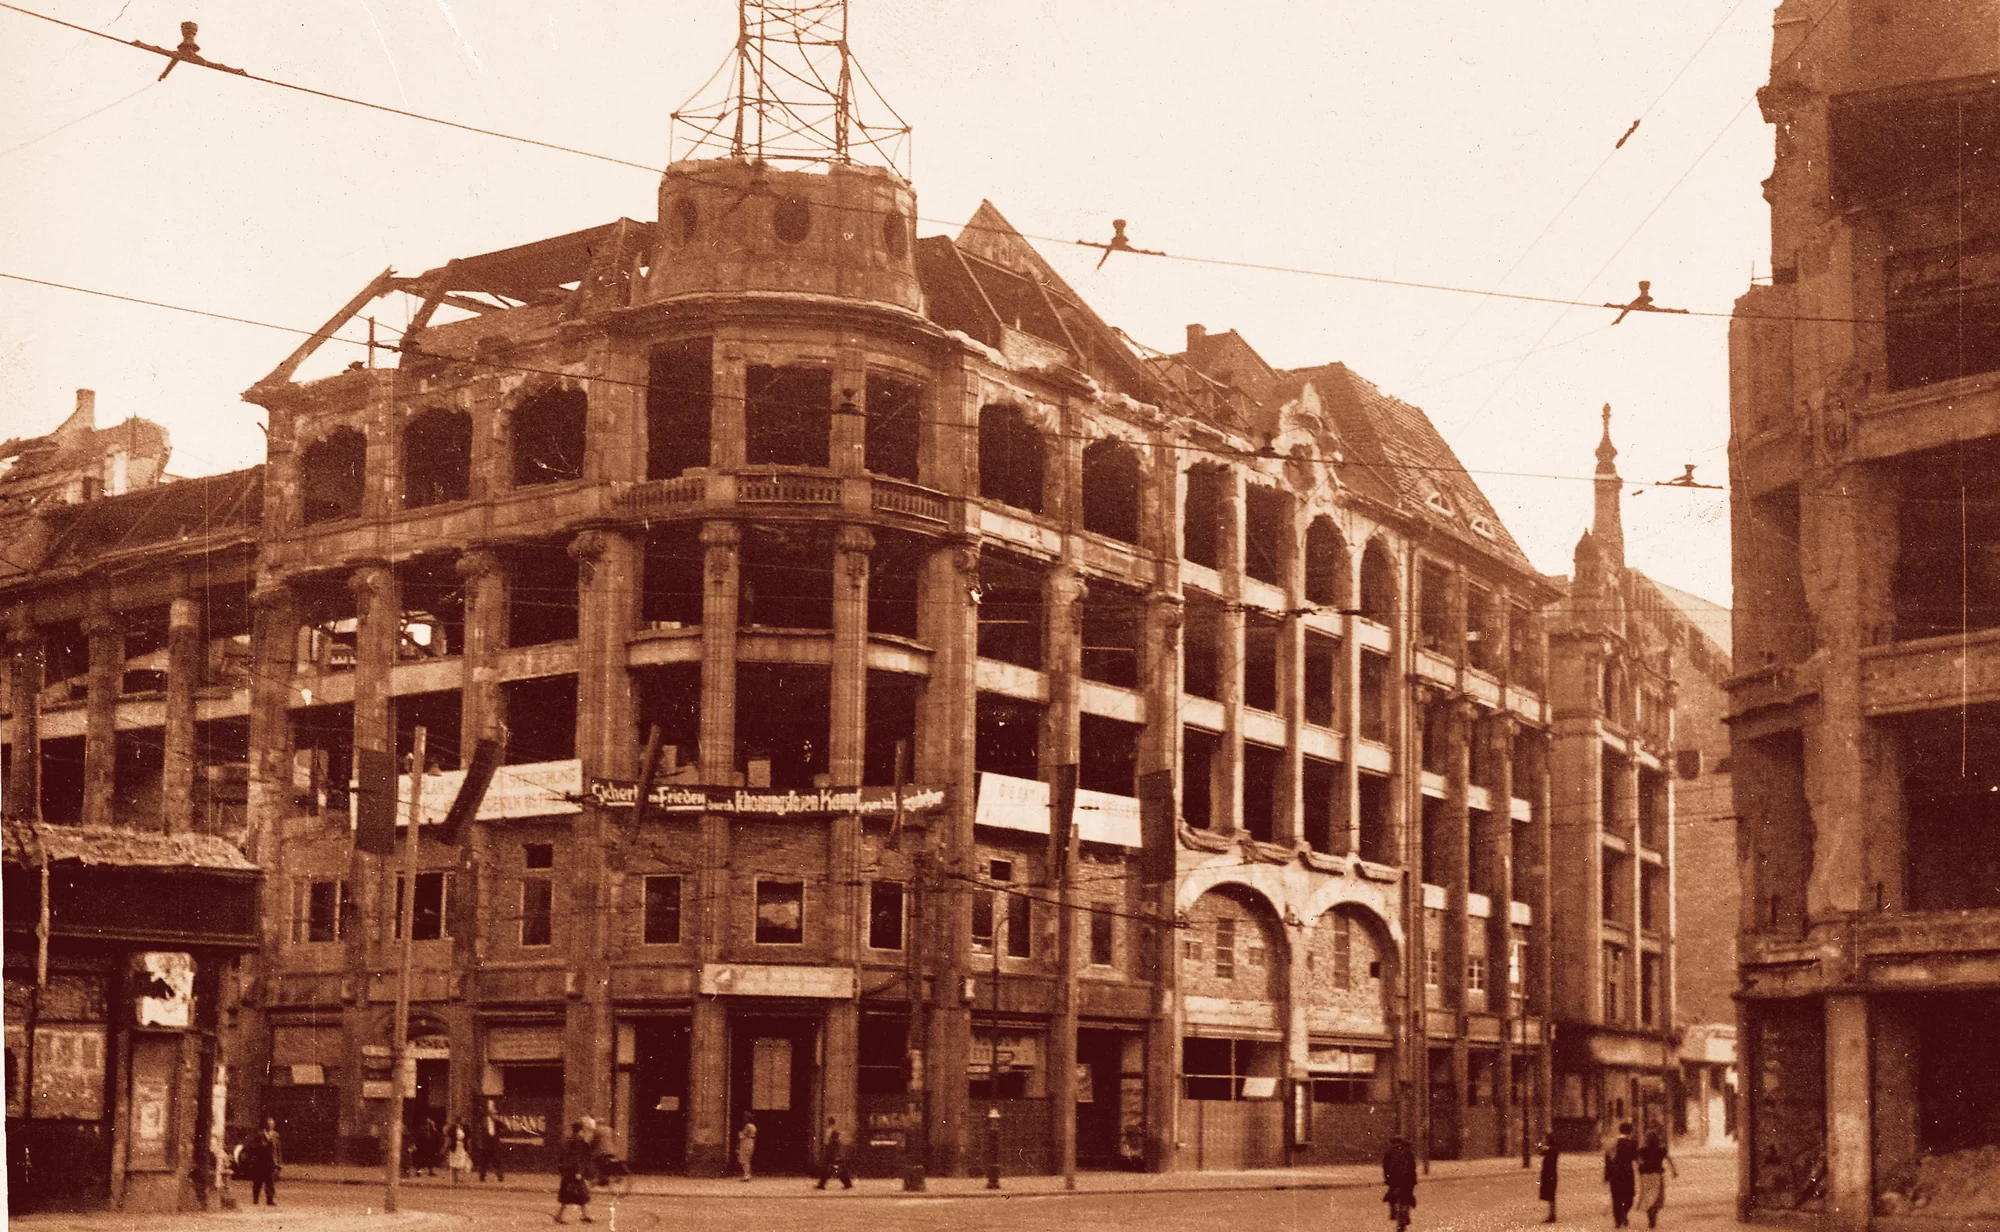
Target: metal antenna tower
{"points": [[789, 94]]}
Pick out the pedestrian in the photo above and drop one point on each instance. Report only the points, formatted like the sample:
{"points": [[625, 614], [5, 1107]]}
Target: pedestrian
{"points": [[486, 1144], [430, 1147], [574, 1189], [262, 1159], [457, 1153], [1550, 1171], [833, 1158], [746, 1145], [1619, 1159], [1399, 1175], [1654, 1163]]}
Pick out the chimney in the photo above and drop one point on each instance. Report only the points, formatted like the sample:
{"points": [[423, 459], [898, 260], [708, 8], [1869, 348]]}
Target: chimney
{"points": [[1196, 335], [86, 407]]}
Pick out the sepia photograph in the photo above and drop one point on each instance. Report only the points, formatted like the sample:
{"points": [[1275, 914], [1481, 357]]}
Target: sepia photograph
{"points": [[898, 614]]}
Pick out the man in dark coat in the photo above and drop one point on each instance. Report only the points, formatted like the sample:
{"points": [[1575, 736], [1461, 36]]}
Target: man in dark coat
{"points": [[486, 1144], [833, 1158], [1399, 1173], [1551, 1158], [263, 1156], [1620, 1161]]}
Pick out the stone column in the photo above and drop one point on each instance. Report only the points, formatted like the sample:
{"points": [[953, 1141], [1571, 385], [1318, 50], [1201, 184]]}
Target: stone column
{"points": [[945, 756], [1456, 862], [1227, 810], [1289, 825], [184, 668], [482, 573], [1160, 750], [1628, 821], [378, 613], [718, 651], [1850, 1115], [24, 689], [607, 563], [729, 431], [100, 741], [846, 745], [274, 635], [847, 447], [709, 1131], [1496, 847], [846, 752]]}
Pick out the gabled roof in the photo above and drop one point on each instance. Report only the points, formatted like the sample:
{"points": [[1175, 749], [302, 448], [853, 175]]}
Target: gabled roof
{"points": [[1400, 445]]}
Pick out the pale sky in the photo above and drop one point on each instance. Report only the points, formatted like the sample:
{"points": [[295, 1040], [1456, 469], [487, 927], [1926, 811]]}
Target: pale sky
{"points": [[1439, 143]]}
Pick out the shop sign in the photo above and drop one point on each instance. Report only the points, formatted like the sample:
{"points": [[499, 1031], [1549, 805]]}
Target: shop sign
{"points": [[539, 1043], [766, 801], [165, 983], [1008, 803], [1323, 1059], [531, 789], [1016, 1052], [523, 1128], [772, 980]]}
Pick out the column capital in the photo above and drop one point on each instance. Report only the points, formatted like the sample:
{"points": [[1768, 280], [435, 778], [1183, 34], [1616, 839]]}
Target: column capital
{"points": [[370, 580], [478, 562], [854, 539], [1502, 727], [1067, 585], [720, 534], [964, 551], [21, 631], [101, 623]]}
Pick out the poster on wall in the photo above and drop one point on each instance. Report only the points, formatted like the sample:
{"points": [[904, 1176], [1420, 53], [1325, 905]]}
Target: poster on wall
{"points": [[69, 1072], [154, 1060], [771, 1075]]}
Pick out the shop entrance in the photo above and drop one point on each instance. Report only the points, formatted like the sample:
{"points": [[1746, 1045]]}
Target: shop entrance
{"points": [[774, 1078], [1110, 1099], [659, 1080]]}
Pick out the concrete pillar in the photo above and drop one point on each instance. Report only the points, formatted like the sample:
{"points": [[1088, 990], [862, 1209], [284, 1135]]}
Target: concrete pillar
{"points": [[1635, 868], [24, 688], [1850, 1119], [615, 443], [378, 612], [846, 748], [1160, 669], [718, 648], [729, 433], [1456, 863], [184, 666], [1495, 846], [100, 739], [274, 633], [847, 448]]}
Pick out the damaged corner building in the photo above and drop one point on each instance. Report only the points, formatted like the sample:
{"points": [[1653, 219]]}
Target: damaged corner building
{"points": [[1866, 713]]}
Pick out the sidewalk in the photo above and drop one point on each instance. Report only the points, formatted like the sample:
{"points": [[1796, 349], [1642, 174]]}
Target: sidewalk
{"points": [[261, 1219], [1343, 1176]]}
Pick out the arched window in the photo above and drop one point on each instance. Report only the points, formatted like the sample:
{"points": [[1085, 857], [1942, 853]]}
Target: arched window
{"points": [[549, 437], [1326, 564], [1012, 458], [1111, 490], [437, 458], [333, 476], [1378, 584]]}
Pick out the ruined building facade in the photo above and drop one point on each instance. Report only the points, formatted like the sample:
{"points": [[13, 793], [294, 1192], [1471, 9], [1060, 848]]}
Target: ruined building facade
{"points": [[1865, 404]]}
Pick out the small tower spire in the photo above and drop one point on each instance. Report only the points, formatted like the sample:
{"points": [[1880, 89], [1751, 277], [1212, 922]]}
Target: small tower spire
{"points": [[1606, 524]]}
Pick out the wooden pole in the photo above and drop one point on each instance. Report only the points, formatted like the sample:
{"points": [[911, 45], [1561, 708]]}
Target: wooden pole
{"points": [[406, 912]]}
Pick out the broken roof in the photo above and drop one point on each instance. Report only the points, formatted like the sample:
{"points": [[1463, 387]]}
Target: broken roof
{"points": [[183, 510], [27, 844], [1408, 458]]}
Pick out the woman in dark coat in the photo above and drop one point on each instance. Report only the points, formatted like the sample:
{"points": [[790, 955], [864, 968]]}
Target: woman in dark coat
{"points": [[1551, 1158], [577, 1161], [1619, 1163], [1399, 1174]]}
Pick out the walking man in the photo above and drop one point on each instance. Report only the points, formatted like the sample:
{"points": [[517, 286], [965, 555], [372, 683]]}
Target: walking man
{"points": [[262, 1159], [1551, 1171], [1619, 1161], [486, 1144], [833, 1158]]}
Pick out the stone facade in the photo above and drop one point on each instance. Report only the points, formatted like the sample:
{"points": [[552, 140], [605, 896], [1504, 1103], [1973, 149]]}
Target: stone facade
{"points": [[1864, 402]]}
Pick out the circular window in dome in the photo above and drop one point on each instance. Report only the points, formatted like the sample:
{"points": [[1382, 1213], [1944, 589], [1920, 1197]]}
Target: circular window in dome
{"points": [[792, 220], [895, 233], [686, 218]]}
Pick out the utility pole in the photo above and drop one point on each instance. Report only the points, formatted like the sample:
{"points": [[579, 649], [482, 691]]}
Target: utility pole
{"points": [[406, 917]]}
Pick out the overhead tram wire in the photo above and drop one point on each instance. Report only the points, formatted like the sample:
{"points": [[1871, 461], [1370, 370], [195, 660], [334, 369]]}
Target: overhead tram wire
{"points": [[1222, 262], [1218, 451]]}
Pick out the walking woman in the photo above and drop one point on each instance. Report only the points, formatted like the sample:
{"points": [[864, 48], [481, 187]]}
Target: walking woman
{"points": [[1399, 1175], [574, 1189], [1654, 1162], [1551, 1158]]}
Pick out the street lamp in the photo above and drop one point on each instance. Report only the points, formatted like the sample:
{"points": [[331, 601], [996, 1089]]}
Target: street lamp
{"points": [[993, 1147]]}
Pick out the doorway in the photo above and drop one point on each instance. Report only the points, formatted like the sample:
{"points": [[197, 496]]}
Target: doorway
{"points": [[1110, 1099], [659, 1077], [774, 1078]]}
